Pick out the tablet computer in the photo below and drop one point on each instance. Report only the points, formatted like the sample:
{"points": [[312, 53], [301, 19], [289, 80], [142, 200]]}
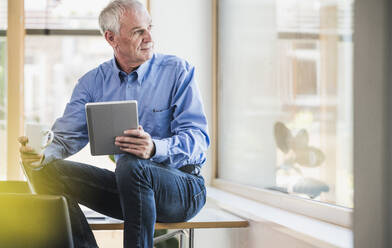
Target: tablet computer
{"points": [[106, 121]]}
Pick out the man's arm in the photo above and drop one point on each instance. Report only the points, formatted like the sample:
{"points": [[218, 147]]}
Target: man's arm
{"points": [[189, 125], [70, 130]]}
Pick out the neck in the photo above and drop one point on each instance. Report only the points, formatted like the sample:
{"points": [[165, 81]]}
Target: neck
{"points": [[125, 65]]}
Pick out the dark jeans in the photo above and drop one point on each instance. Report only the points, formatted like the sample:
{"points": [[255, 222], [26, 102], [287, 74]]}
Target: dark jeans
{"points": [[140, 192]]}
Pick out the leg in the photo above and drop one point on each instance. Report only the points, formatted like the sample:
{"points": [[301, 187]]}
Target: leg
{"points": [[150, 192], [79, 183]]}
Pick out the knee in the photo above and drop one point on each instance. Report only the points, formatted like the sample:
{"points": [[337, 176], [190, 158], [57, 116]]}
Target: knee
{"points": [[131, 170], [129, 166]]}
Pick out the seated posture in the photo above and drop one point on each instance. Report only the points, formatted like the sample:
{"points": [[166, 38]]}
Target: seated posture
{"points": [[157, 177]]}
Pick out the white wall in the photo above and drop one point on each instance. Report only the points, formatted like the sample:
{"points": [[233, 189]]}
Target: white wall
{"points": [[183, 28]]}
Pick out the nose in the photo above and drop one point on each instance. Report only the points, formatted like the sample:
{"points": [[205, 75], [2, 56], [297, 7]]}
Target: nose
{"points": [[147, 36]]}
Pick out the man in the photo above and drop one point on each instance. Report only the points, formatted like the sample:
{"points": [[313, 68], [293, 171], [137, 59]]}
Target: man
{"points": [[157, 179]]}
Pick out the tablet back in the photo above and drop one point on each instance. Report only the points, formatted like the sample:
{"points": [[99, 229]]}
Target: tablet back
{"points": [[106, 121]]}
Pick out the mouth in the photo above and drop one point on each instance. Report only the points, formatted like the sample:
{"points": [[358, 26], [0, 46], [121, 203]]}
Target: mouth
{"points": [[147, 48]]}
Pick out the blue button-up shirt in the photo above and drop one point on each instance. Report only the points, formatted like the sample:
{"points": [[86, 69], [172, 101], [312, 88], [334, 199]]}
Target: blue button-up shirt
{"points": [[169, 106]]}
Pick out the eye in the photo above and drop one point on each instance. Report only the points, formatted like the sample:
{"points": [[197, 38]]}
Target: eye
{"points": [[139, 32]]}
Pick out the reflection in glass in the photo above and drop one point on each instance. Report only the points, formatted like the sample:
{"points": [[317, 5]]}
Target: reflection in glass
{"points": [[285, 97]]}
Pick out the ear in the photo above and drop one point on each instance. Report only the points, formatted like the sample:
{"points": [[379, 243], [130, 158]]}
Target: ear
{"points": [[110, 38]]}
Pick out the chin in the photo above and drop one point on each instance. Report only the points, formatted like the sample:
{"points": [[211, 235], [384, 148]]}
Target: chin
{"points": [[148, 54]]}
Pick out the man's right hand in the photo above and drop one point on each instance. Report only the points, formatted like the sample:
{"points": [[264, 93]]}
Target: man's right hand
{"points": [[27, 154]]}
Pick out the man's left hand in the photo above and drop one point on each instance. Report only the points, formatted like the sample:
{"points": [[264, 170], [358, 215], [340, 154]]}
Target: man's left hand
{"points": [[136, 142]]}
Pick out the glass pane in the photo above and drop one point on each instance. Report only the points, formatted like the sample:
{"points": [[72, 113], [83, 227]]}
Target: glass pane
{"points": [[3, 14], [63, 14], [3, 108], [285, 97], [53, 64]]}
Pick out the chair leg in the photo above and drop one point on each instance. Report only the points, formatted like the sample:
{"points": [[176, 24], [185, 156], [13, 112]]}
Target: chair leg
{"points": [[181, 243], [168, 236]]}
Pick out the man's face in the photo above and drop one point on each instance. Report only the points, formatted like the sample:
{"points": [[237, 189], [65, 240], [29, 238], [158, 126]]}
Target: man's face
{"points": [[134, 43]]}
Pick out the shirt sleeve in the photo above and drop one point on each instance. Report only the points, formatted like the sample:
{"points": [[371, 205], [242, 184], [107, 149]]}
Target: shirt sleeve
{"points": [[70, 130], [190, 141]]}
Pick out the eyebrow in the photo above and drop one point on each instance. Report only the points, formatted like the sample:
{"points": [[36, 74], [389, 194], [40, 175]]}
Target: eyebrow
{"points": [[136, 28]]}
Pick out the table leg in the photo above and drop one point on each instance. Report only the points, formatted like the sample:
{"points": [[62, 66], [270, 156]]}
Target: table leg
{"points": [[191, 238]]}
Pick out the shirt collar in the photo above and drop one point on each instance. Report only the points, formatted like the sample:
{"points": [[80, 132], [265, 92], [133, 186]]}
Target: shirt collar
{"points": [[140, 71]]}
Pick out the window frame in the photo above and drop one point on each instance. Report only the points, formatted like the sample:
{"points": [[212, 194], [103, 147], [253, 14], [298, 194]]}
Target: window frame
{"points": [[334, 214], [15, 34]]}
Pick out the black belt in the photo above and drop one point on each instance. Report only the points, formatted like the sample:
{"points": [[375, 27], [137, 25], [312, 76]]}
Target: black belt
{"points": [[191, 169]]}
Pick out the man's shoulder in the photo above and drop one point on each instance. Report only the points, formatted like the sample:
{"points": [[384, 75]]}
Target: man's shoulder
{"points": [[99, 72], [167, 60]]}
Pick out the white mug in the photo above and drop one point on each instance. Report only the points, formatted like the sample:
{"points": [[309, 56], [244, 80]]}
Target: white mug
{"points": [[39, 135]]}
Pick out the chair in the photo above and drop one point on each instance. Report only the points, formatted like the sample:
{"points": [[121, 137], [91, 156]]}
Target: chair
{"points": [[14, 187], [29, 220]]}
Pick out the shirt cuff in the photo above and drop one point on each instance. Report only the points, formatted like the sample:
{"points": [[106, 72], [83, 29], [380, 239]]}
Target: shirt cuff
{"points": [[48, 158], [161, 150]]}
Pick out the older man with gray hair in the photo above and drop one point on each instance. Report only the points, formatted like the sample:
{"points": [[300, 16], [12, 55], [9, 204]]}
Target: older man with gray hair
{"points": [[157, 177]]}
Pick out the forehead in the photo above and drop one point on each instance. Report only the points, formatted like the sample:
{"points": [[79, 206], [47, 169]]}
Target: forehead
{"points": [[133, 18]]}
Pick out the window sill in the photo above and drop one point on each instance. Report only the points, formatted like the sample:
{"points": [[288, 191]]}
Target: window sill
{"points": [[330, 213], [301, 227]]}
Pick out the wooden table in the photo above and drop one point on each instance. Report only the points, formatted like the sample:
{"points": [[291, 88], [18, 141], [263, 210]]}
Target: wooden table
{"points": [[207, 218]]}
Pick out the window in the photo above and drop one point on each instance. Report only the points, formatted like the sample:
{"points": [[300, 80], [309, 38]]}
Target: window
{"points": [[54, 63], [285, 97], [3, 14], [3, 89], [60, 14]]}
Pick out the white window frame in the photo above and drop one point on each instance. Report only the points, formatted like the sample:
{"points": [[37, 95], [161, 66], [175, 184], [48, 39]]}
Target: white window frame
{"points": [[330, 213]]}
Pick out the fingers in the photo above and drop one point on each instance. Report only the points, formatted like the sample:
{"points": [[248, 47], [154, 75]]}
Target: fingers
{"points": [[30, 161], [27, 154], [27, 150], [23, 140], [132, 140], [132, 147], [137, 142], [139, 132], [24, 156], [137, 152], [134, 136]]}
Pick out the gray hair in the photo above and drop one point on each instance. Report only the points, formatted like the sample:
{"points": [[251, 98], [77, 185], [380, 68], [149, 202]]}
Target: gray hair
{"points": [[109, 18]]}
